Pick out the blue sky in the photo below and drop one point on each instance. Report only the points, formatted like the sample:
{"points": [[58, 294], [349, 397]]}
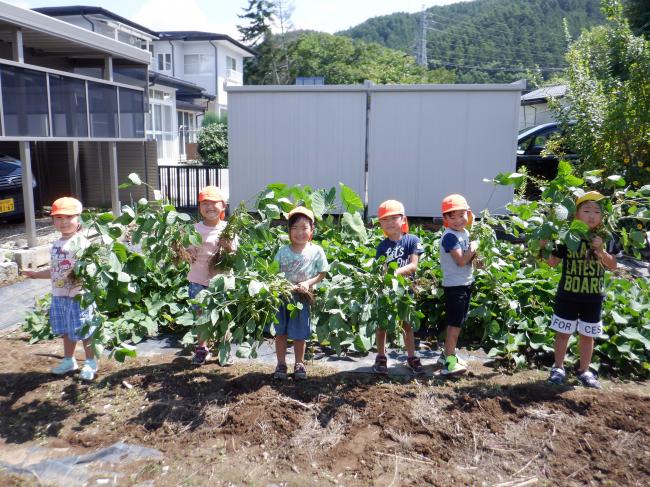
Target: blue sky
{"points": [[221, 15]]}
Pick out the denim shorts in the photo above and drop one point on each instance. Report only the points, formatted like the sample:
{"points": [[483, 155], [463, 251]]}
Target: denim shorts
{"points": [[67, 318], [296, 327], [193, 290]]}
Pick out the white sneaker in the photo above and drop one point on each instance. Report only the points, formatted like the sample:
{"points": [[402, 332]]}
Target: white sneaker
{"points": [[89, 369], [68, 364]]}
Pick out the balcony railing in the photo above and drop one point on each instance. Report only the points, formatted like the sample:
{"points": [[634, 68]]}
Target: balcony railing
{"points": [[40, 103], [234, 76]]}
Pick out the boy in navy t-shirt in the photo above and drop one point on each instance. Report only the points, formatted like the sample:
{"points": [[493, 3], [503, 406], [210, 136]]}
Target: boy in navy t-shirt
{"points": [[405, 249]]}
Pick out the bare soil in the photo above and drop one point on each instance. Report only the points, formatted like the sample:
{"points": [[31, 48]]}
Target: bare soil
{"points": [[233, 425]]}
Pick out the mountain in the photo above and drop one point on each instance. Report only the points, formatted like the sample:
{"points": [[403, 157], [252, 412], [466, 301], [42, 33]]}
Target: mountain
{"points": [[488, 40]]}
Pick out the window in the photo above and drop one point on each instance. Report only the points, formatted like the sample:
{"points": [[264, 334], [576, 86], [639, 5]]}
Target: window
{"points": [[162, 128], [24, 97], [231, 63], [102, 101], [186, 131], [198, 63], [68, 97], [164, 62], [131, 116]]}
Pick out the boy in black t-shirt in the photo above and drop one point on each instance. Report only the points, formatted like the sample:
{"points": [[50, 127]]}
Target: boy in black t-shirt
{"points": [[579, 298]]}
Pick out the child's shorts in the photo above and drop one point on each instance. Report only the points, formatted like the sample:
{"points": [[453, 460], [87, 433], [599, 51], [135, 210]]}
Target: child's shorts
{"points": [[296, 327], [457, 300], [67, 318], [193, 290], [570, 315]]}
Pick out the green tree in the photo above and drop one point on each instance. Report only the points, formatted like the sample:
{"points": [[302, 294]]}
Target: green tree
{"points": [[488, 40], [211, 117], [271, 65], [341, 60], [608, 100], [638, 14], [213, 145]]}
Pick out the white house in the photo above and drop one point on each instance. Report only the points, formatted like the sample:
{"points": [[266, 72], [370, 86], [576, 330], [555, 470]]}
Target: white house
{"points": [[206, 59], [534, 108], [187, 74]]}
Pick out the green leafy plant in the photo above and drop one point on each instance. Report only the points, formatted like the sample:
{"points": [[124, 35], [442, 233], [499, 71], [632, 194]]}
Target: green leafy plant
{"points": [[213, 144], [37, 322]]}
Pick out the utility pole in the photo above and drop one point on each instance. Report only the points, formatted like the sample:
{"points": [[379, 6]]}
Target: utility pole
{"points": [[421, 46]]}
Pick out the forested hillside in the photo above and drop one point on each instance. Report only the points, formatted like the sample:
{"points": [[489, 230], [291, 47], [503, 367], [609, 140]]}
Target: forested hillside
{"points": [[488, 40]]}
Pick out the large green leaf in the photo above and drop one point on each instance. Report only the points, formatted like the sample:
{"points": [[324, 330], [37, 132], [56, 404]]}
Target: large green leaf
{"points": [[351, 201]]}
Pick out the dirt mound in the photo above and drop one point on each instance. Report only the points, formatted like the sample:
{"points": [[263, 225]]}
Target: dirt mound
{"points": [[234, 425]]}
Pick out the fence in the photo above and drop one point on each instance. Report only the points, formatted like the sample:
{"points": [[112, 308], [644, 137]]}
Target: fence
{"points": [[180, 185], [413, 143]]}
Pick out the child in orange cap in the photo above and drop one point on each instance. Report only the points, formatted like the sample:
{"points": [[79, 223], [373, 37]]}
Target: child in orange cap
{"points": [[405, 249], [456, 255], [579, 298], [304, 264], [66, 316], [212, 207]]}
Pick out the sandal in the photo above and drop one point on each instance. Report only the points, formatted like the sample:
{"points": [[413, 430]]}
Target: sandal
{"points": [[415, 366], [280, 372], [381, 365]]}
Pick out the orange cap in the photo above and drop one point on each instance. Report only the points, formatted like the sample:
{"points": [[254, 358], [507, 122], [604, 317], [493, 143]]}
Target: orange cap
{"points": [[301, 210], [393, 207], [455, 202], [66, 206], [211, 193]]}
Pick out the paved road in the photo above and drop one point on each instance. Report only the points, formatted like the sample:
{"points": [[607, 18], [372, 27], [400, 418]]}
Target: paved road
{"points": [[17, 299]]}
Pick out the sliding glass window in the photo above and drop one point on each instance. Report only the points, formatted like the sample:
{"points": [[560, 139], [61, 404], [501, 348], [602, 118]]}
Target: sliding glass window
{"points": [[102, 101], [131, 114], [68, 99], [24, 102]]}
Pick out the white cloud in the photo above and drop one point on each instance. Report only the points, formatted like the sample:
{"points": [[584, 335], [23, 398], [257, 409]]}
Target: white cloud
{"points": [[19, 3], [186, 15]]}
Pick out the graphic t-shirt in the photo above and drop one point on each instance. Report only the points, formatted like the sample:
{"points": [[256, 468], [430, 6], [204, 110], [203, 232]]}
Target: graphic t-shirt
{"points": [[401, 250], [63, 255], [452, 273], [299, 267], [200, 270], [583, 276]]}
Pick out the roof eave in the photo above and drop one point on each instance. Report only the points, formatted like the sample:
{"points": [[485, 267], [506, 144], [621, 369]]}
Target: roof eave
{"points": [[28, 19]]}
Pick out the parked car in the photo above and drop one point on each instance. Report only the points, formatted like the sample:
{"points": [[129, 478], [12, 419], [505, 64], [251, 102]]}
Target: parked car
{"points": [[530, 145], [11, 189]]}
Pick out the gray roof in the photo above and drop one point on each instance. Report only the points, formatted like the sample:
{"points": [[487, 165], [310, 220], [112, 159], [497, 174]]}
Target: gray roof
{"points": [[543, 94], [90, 10], [194, 35]]}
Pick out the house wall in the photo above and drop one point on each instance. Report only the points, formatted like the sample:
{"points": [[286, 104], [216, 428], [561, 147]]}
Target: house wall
{"points": [[537, 114], [131, 157], [205, 80]]}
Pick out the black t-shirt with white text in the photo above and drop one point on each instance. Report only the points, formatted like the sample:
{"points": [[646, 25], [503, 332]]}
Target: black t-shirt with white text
{"points": [[583, 278]]}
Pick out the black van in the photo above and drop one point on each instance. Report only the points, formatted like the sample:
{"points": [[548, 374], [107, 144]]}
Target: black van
{"points": [[11, 189], [530, 145]]}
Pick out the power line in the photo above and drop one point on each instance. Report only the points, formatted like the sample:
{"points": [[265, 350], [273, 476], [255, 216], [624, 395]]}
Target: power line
{"points": [[513, 50], [513, 69], [453, 22], [508, 50]]}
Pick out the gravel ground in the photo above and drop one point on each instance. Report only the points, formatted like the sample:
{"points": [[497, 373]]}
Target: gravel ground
{"points": [[11, 234]]}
